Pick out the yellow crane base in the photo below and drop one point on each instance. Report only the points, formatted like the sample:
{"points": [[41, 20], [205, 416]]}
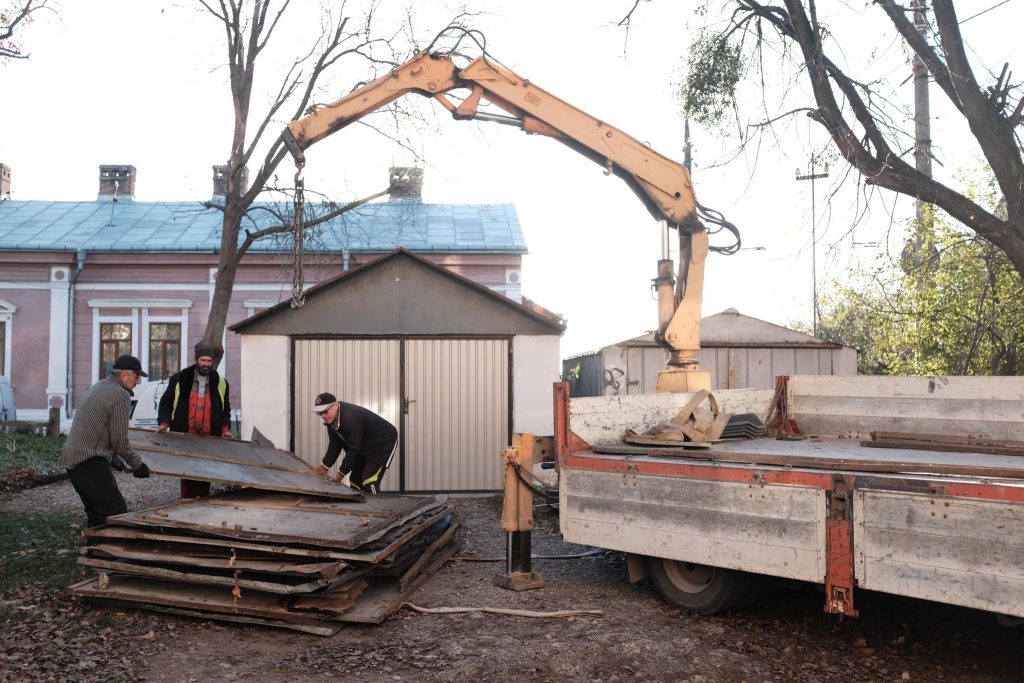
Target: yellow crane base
{"points": [[679, 381]]}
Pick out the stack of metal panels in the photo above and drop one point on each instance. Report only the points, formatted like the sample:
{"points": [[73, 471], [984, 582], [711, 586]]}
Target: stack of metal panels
{"points": [[292, 549], [743, 426], [280, 559]]}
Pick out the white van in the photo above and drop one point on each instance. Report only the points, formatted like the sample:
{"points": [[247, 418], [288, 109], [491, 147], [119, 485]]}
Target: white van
{"points": [[146, 404], [8, 413]]}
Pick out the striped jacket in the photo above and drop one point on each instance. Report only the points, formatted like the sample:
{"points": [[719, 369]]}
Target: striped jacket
{"points": [[100, 427]]}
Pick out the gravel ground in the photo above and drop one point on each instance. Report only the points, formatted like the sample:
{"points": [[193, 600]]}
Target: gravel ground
{"points": [[786, 637], [60, 496]]}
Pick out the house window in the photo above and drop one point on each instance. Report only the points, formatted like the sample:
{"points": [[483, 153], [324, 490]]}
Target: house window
{"points": [[115, 341], [164, 350]]}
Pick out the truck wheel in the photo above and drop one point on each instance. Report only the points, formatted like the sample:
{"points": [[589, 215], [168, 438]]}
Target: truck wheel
{"points": [[699, 588]]}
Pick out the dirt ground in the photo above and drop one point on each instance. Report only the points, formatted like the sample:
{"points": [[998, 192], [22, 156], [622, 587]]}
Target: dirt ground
{"points": [[784, 637]]}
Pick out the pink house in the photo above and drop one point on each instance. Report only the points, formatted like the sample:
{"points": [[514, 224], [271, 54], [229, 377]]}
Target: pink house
{"points": [[83, 282]]}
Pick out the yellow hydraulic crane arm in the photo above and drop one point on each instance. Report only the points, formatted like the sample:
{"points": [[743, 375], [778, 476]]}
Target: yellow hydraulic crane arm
{"points": [[662, 184]]}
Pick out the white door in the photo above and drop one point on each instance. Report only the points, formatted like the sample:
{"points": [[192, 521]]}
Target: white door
{"points": [[455, 396], [361, 371], [457, 415]]}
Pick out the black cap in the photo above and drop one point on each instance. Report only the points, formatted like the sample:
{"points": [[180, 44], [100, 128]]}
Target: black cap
{"points": [[129, 363], [205, 351], [323, 401]]}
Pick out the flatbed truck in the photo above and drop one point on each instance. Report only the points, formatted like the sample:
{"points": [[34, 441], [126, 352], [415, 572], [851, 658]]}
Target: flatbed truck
{"points": [[822, 508]]}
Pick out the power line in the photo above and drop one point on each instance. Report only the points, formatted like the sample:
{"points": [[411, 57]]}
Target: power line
{"points": [[974, 16]]}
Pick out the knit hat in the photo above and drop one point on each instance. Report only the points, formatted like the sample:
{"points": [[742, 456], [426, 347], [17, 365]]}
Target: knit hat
{"points": [[205, 351]]}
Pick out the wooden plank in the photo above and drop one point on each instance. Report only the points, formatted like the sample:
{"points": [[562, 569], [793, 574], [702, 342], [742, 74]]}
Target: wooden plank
{"points": [[945, 447], [406, 580], [205, 579], [643, 439], [945, 548], [330, 604], [374, 553], [140, 535], [948, 517], [384, 599], [317, 628], [876, 386], [220, 557], [317, 525], [945, 585], [838, 461], [772, 529], [979, 439], [206, 598]]}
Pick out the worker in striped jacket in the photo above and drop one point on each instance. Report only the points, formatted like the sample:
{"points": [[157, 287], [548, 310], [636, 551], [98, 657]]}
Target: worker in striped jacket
{"points": [[98, 441]]}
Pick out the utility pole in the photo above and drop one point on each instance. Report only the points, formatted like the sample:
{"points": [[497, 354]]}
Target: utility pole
{"points": [[922, 114], [812, 176]]}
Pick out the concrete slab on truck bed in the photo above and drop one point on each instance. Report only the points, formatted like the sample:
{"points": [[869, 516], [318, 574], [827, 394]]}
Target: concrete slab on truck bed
{"points": [[837, 455]]}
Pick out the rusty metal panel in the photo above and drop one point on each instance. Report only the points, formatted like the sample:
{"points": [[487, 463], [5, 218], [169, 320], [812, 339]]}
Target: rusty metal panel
{"points": [[228, 461], [361, 371], [280, 518], [458, 419]]}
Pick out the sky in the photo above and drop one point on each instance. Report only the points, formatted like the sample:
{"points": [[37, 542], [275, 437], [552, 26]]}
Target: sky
{"points": [[130, 82]]}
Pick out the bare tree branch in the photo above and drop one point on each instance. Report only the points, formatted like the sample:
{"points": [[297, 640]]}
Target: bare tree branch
{"points": [[14, 21]]}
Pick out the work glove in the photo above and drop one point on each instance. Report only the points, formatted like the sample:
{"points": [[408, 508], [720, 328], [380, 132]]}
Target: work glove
{"points": [[163, 428], [141, 472], [321, 470], [227, 434], [118, 464]]}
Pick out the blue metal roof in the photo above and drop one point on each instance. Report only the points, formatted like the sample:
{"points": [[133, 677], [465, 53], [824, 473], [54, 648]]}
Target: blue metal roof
{"points": [[189, 227]]}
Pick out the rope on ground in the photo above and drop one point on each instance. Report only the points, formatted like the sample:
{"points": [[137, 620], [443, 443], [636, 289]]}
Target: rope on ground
{"points": [[470, 558], [506, 612]]}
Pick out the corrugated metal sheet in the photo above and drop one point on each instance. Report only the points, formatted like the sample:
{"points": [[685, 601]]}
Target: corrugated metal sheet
{"points": [[458, 413], [591, 379], [187, 226], [361, 371], [628, 370]]}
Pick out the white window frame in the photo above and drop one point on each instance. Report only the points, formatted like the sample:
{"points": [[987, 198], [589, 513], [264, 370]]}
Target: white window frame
{"points": [[97, 320], [182, 343], [140, 331], [7, 311]]}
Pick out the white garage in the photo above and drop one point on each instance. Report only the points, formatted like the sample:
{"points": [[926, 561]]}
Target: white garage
{"points": [[455, 367]]}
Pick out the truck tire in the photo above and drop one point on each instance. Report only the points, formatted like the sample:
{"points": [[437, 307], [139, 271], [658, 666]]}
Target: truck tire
{"points": [[699, 588]]}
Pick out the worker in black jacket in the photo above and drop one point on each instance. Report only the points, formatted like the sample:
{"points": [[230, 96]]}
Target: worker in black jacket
{"points": [[368, 439], [196, 401]]}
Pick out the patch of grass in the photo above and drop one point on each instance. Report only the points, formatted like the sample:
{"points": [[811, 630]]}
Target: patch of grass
{"points": [[28, 460], [25, 451], [105, 620], [39, 550]]}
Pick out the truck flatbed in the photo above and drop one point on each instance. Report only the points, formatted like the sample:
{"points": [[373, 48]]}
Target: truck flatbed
{"points": [[943, 526], [835, 454]]}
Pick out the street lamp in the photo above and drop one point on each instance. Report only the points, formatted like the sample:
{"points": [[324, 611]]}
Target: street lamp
{"points": [[812, 176]]}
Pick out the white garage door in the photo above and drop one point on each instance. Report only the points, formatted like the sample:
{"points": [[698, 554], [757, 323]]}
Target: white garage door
{"points": [[455, 394]]}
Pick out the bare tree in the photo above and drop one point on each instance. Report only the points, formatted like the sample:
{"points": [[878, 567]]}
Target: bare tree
{"points": [[13, 18], [248, 26], [864, 124]]}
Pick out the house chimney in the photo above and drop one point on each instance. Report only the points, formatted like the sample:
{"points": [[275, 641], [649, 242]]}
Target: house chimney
{"points": [[220, 181], [406, 184], [5, 182], [117, 183]]}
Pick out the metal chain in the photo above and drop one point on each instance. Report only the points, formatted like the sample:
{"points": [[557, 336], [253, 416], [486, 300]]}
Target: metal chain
{"points": [[299, 237]]}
